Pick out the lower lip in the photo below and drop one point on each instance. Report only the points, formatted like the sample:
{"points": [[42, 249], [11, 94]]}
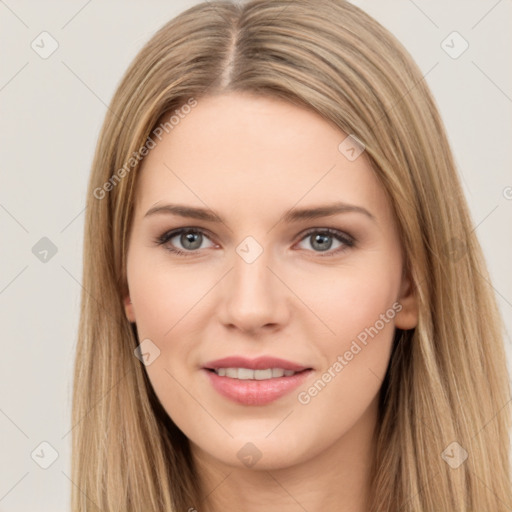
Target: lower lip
{"points": [[256, 392]]}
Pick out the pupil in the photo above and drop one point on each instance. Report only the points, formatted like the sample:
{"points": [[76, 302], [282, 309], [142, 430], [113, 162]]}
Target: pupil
{"points": [[322, 239], [189, 238]]}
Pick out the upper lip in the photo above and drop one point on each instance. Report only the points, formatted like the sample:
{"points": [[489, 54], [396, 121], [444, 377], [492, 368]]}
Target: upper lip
{"points": [[260, 363]]}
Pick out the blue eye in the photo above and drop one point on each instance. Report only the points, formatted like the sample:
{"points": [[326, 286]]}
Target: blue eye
{"points": [[191, 240], [322, 239]]}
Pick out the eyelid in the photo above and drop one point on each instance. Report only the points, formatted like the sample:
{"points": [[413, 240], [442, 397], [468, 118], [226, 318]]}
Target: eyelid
{"points": [[331, 231]]}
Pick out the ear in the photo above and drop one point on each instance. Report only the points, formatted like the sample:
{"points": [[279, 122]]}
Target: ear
{"points": [[128, 308], [407, 317]]}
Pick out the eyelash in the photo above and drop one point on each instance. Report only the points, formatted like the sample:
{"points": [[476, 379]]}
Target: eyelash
{"points": [[347, 240]]}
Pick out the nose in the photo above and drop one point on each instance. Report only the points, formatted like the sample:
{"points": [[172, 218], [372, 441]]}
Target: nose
{"points": [[254, 297]]}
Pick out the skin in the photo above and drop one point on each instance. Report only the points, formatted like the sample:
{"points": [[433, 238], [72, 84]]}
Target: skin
{"points": [[252, 159]]}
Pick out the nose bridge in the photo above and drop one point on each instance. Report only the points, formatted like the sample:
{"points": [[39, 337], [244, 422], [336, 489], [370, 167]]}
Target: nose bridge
{"points": [[254, 296]]}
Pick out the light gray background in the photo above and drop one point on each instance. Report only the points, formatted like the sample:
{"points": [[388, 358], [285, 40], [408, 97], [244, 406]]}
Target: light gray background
{"points": [[51, 112]]}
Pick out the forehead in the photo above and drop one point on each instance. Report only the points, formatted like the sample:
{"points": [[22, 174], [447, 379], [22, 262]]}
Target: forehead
{"points": [[257, 153]]}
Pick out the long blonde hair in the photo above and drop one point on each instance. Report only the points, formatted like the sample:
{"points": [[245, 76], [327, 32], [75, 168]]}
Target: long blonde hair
{"points": [[446, 391]]}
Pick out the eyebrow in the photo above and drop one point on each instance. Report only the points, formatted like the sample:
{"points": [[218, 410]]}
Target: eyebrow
{"points": [[293, 215]]}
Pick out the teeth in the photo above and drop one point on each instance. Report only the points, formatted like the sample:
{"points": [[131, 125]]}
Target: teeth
{"points": [[263, 374], [247, 373], [244, 373]]}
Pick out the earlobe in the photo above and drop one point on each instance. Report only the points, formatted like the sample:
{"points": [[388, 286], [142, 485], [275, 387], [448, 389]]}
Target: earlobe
{"points": [[407, 317], [128, 308]]}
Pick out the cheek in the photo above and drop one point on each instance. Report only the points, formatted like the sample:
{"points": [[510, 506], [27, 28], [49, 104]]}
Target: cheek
{"points": [[164, 296], [358, 306], [361, 314], [168, 304], [355, 360], [350, 299]]}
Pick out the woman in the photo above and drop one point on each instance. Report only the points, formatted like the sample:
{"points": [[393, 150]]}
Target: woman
{"points": [[229, 356]]}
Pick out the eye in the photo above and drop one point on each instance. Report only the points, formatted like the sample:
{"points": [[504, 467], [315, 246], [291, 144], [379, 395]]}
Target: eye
{"points": [[189, 238], [323, 240]]}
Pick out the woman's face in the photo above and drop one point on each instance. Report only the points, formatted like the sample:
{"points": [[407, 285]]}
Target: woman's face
{"points": [[267, 281]]}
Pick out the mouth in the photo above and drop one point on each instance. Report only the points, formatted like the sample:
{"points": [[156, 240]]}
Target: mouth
{"points": [[260, 366], [255, 382], [250, 374]]}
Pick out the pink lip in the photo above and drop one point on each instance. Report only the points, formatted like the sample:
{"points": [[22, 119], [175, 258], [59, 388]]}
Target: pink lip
{"points": [[260, 363], [252, 391], [255, 392]]}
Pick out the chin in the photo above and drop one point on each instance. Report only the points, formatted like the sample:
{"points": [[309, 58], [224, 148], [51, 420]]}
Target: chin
{"points": [[259, 452]]}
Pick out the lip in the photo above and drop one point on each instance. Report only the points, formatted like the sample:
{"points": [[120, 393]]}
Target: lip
{"points": [[260, 363], [252, 391], [255, 392]]}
